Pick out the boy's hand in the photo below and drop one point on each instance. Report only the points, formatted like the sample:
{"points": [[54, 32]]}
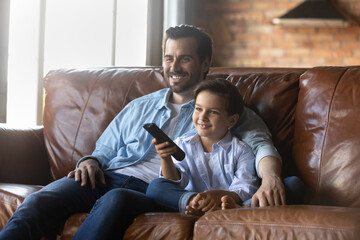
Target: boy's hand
{"points": [[207, 201], [164, 150]]}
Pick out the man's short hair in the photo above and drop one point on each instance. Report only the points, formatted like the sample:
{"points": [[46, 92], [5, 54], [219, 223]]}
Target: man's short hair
{"points": [[223, 88], [203, 39]]}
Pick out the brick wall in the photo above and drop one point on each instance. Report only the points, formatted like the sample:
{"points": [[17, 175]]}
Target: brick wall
{"points": [[244, 35]]}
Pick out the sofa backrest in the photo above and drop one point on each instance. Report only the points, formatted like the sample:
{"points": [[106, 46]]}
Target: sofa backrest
{"points": [[80, 103]]}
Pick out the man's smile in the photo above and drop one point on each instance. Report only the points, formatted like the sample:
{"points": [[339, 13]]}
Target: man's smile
{"points": [[176, 77]]}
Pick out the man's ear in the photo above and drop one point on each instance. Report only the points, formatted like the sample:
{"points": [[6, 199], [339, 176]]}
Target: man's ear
{"points": [[233, 119], [205, 65]]}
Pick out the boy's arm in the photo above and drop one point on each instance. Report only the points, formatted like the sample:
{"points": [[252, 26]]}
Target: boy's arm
{"points": [[168, 168]]}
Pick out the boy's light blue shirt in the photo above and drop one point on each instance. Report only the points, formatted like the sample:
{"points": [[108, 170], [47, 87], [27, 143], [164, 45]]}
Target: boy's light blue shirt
{"points": [[124, 142], [231, 166]]}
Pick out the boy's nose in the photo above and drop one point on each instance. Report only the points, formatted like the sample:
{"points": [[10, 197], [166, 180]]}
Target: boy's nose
{"points": [[203, 117]]}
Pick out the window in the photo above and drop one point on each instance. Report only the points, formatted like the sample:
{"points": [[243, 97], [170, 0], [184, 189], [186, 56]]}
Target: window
{"points": [[54, 34]]}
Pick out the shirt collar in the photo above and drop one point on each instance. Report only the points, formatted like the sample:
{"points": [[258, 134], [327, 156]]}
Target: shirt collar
{"points": [[165, 100], [225, 142]]}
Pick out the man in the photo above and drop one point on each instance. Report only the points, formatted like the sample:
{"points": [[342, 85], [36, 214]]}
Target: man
{"points": [[110, 183]]}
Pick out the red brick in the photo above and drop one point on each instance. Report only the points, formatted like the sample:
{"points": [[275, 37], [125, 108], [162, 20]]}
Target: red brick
{"points": [[351, 61], [346, 37], [321, 53], [298, 52], [343, 53], [322, 37], [351, 44]]}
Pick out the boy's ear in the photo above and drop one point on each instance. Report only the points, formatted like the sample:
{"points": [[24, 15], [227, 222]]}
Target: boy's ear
{"points": [[233, 119]]}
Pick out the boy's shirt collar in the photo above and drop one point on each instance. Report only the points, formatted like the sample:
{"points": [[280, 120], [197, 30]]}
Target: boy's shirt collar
{"points": [[224, 143]]}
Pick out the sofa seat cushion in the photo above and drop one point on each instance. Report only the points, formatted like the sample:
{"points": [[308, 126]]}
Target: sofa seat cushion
{"points": [[11, 196], [284, 222], [72, 224], [174, 226]]}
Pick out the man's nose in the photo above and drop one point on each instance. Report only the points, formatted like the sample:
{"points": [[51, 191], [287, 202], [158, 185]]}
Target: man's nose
{"points": [[175, 65]]}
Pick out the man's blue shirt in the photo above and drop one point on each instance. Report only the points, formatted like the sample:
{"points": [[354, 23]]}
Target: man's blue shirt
{"points": [[125, 142]]}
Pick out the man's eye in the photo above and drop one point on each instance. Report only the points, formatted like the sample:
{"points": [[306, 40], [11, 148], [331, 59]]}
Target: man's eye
{"points": [[185, 59], [168, 59]]}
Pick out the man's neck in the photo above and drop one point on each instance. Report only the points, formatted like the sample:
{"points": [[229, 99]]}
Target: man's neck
{"points": [[177, 98]]}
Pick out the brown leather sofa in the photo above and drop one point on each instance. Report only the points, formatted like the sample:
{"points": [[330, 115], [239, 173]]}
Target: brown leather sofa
{"points": [[313, 114]]}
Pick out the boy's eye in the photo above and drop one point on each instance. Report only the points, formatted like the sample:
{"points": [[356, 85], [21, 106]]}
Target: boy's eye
{"points": [[197, 109], [214, 112]]}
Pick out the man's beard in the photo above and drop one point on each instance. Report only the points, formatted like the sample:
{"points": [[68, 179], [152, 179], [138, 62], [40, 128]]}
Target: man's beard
{"points": [[190, 84]]}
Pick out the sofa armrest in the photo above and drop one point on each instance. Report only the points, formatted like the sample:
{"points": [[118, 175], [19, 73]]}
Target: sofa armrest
{"points": [[23, 157]]}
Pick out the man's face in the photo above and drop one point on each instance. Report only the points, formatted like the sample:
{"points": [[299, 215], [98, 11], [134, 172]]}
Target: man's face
{"points": [[182, 67]]}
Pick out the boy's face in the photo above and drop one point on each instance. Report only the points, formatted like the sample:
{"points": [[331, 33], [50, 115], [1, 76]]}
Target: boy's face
{"points": [[182, 67], [210, 117]]}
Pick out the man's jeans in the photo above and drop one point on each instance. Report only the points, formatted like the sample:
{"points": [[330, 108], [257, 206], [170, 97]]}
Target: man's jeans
{"points": [[112, 208], [168, 194]]}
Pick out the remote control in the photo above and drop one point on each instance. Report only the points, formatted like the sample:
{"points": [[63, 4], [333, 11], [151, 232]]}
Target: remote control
{"points": [[161, 137]]}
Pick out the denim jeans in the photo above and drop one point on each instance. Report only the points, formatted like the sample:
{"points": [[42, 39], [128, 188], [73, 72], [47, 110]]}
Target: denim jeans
{"points": [[168, 194], [112, 207]]}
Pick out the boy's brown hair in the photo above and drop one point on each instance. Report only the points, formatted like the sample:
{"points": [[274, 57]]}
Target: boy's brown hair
{"points": [[227, 90]]}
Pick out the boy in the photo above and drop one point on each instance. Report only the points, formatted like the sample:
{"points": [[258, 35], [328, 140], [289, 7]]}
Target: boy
{"points": [[217, 164]]}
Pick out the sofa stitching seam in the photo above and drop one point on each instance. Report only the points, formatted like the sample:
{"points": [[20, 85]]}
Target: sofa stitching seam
{"points": [[327, 128], [82, 115]]}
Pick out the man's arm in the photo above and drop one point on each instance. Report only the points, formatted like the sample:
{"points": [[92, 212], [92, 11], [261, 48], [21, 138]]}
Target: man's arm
{"points": [[252, 130], [272, 190]]}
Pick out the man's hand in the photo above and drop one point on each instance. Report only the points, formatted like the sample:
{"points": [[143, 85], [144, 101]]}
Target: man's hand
{"points": [[272, 190], [270, 193], [88, 169]]}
